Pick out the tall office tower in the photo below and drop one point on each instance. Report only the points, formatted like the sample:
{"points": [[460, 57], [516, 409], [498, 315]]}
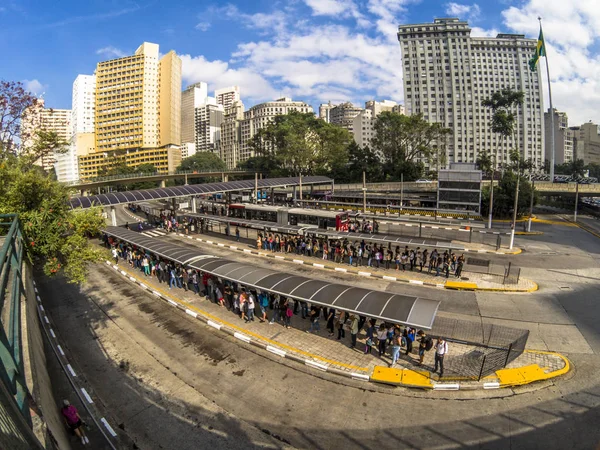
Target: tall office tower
{"points": [[81, 141], [586, 143], [343, 115], [231, 134], [208, 119], [192, 97], [447, 74], [324, 109], [563, 139], [137, 111], [362, 124], [227, 96], [170, 99], [260, 115]]}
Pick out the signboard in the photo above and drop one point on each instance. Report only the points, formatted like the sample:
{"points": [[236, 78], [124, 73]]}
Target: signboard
{"points": [[184, 205]]}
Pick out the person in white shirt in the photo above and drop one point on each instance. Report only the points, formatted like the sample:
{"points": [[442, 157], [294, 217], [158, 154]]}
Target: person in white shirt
{"points": [[441, 349]]}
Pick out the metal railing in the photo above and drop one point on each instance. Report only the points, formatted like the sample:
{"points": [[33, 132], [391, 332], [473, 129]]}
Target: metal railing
{"points": [[14, 394]]}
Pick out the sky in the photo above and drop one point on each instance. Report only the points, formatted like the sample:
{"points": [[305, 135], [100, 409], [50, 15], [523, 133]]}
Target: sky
{"points": [[310, 50]]}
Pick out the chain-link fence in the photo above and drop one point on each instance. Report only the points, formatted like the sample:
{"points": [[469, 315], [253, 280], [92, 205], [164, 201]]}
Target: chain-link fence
{"points": [[478, 349]]}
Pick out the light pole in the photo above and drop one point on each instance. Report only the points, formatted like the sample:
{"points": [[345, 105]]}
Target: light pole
{"points": [[531, 203], [576, 199], [514, 221], [492, 193]]}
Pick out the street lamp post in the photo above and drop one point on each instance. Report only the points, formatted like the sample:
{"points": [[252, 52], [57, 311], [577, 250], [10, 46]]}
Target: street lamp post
{"points": [[531, 203], [576, 200], [514, 221], [492, 194]]}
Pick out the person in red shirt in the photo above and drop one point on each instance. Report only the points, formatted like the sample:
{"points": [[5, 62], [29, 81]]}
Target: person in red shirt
{"points": [[73, 420]]}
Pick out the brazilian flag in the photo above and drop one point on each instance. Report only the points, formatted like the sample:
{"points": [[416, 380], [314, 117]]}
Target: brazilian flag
{"points": [[540, 50]]}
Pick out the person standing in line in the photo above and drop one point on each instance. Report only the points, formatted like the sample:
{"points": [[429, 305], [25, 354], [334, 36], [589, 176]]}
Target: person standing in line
{"points": [[287, 320], [74, 421], [370, 336], [251, 304], [341, 322], [330, 320], [263, 300], [441, 349], [276, 310], [115, 254], [459, 266], [237, 234], [396, 344], [353, 330], [315, 316], [425, 344], [410, 337], [381, 339]]}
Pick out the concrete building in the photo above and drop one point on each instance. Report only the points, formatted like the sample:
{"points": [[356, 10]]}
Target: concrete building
{"points": [[563, 139], [82, 139], [362, 124], [231, 137], [586, 143], [208, 119], [447, 73], [129, 91], [260, 115], [343, 115], [227, 96], [188, 149], [192, 97], [324, 109], [459, 188]]}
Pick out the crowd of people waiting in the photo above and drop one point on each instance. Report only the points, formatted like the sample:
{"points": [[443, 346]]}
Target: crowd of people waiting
{"points": [[246, 302]]}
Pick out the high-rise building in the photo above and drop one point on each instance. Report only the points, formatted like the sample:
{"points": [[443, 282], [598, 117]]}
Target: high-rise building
{"points": [[324, 109], [362, 124], [208, 119], [563, 139], [192, 97], [169, 99], [128, 100], [343, 115], [188, 149], [586, 143], [231, 134], [81, 141], [227, 96], [138, 107], [261, 115], [447, 73]]}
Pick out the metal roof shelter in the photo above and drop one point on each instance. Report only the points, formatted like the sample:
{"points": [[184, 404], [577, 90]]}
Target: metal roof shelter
{"points": [[330, 234], [116, 198], [395, 308]]}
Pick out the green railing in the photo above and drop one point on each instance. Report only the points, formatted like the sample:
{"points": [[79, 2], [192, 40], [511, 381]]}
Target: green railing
{"points": [[11, 292]]}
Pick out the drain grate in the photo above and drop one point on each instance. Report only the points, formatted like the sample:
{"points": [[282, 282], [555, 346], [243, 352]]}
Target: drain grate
{"points": [[565, 288]]}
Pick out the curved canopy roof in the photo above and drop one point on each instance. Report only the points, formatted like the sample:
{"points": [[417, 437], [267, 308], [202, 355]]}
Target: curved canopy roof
{"points": [[395, 308], [116, 198]]}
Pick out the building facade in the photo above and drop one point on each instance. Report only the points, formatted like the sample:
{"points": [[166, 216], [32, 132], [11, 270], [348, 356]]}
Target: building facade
{"points": [[362, 124], [447, 73], [260, 116], [192, 97], [227, 96], [563, 139], [324, 109], [208, 118], [231, 137], [128, 100], [343, 115], [586, 143]]}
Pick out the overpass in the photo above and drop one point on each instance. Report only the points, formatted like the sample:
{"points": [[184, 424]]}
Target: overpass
{"points": [[162, 177]]}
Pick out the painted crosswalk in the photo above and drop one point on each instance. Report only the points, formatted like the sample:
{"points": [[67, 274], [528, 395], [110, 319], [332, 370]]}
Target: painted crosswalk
{"points": [[154, 233]]}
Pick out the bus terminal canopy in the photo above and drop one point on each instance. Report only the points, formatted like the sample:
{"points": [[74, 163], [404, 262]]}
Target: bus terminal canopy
{"points": [[395, 308], [116, 198]]}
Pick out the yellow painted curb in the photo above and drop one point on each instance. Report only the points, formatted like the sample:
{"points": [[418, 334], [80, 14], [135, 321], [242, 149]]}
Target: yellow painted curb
{"points": [[402, 377], [531, 289], [531, 373], [529, 233], [243, 330], [460, 285]]}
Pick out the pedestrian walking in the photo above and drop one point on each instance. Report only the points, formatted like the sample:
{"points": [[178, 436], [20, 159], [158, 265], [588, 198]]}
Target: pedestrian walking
{"points": [[441, 349], [237, 234], [73, 420]]}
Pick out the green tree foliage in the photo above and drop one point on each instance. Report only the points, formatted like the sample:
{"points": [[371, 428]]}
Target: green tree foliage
{"points": [[502, 104], [359, 159], [117, 166], [504, 196], [263, 164], [202, 162], [300, 144], [402, 140]]}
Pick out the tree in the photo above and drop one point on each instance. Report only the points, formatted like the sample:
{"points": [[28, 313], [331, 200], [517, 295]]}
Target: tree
{"points": [[361, 159], [403, 140], [16, 106], [300, 144], [202, 162], [504, 196], [262, 164]]}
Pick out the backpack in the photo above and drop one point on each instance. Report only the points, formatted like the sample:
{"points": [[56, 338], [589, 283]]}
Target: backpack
{"points": [[289, 312], [428, 343], [264, 301]]}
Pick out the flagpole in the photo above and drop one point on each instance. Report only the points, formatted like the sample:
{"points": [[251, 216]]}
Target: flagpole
{"points": [[552, 148]]}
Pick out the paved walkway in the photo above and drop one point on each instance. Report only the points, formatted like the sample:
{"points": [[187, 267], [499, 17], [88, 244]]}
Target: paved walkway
{"points": [[469, 280], [322, 351]]}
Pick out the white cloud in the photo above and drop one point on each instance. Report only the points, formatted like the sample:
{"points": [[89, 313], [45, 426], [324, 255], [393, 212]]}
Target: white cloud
{"points": [[470, 12], [111, 52], [203, 26], [481, 32], [329, 7], [34, 86]]}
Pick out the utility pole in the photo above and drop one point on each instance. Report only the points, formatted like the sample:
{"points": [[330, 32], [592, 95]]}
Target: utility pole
{"points": [[576, 200], [514, 221], [401, 191], [531, 202], [492, 194], [364, 189]]}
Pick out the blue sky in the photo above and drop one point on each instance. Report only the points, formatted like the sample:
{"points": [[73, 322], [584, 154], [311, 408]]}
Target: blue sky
{"points": [[312, 50]]}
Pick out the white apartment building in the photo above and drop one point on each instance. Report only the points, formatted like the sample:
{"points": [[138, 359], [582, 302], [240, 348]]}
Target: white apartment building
{"points": [[188, 149], [563, 137], [82, 119], [343, 115], [260, 115], [447, 73], [192, 97], [208, 118], [227, 96], [362, 124], [231, 134], [324, 109]]}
